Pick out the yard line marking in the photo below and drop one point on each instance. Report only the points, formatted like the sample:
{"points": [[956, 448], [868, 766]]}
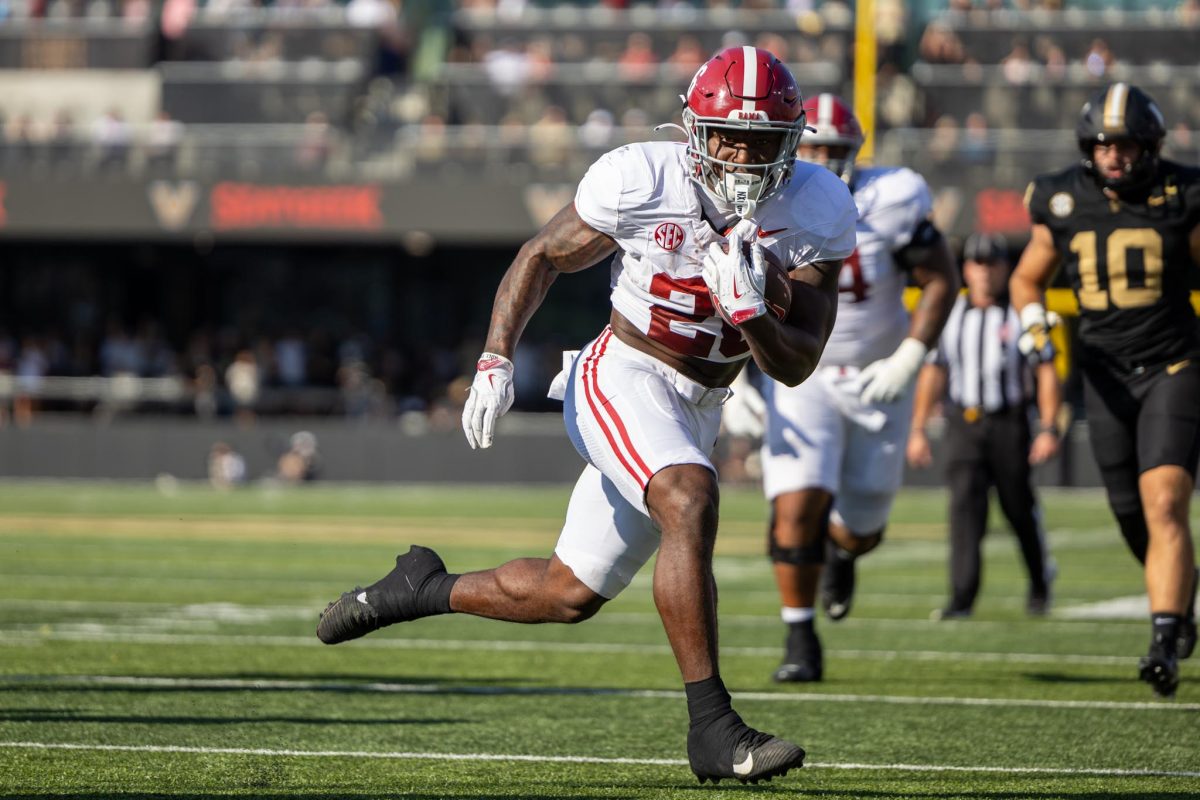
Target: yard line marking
{"points": [[377, 687], [551, 759], [98, 632], [1076, 617]]}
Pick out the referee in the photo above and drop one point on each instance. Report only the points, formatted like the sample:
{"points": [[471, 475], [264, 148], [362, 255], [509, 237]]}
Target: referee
{"points": [[988, 389]]}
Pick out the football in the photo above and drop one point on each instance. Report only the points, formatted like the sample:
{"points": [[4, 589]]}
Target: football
{"points": [[778, 293]]}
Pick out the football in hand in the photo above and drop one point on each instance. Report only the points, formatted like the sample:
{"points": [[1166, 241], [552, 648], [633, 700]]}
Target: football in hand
{"points": [[778, 290]]}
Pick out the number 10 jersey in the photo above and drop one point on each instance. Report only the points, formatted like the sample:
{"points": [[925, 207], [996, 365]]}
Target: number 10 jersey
{"points": [[1127, 261]]}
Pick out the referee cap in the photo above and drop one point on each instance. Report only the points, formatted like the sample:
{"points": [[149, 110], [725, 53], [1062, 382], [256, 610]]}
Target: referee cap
{"points": [[985, 247]]}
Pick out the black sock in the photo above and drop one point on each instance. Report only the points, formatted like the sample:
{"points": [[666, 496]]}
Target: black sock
{"points": [[395, 596], [434, 597], [1166, 631], [1190, 616], [707, 700]]}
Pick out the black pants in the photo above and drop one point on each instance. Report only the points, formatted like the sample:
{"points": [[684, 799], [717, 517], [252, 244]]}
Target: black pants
{"points": [[990, 452], [1141, 421]]}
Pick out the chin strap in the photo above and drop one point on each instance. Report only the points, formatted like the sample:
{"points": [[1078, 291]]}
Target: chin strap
{"points": [[739, 186]]}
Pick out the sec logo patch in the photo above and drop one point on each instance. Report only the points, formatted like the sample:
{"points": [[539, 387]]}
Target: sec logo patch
{"points": [[668, 236], [1062, 204]]}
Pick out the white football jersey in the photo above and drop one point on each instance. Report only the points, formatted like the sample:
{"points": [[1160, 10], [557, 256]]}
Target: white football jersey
{"points": [[872, 320], [642, 197]]}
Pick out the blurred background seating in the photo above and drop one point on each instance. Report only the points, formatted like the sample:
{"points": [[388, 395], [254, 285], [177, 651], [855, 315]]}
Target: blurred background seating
{"points": [[326, 193]]}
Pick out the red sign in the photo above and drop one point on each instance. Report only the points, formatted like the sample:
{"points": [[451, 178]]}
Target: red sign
{"points": [[668, 236], [1001, 211], [246, 205]]}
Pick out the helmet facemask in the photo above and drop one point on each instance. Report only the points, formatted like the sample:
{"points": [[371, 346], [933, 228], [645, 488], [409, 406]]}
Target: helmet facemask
{"points": [[1139, 173]]}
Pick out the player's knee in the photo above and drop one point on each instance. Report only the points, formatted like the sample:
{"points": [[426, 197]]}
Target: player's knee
{"points": [[796, 541], [800, 516], [1165, 507], [684, 497], [860, 543], [578, 604]]}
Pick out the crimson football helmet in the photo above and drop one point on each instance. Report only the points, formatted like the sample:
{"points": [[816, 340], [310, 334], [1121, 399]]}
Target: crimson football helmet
{"points": [[832, 123], [743, 88]]}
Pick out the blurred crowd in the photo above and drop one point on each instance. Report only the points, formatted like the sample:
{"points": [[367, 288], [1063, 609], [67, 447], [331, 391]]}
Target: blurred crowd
{"points": [[242, 375]]}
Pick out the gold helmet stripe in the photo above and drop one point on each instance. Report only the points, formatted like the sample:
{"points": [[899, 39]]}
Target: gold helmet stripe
{"points": [[1114, 106]]}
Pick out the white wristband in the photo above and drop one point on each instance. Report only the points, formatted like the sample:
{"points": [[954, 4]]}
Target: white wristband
{"points": [[911, 353]]}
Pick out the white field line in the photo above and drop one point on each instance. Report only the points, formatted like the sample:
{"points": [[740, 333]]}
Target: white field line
{"points": [[1078, 617], [109, 633], [236, 684], [552, 759]]}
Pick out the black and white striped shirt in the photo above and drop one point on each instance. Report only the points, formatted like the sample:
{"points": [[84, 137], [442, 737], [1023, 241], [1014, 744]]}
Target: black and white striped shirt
{"points": [[978, 349]]}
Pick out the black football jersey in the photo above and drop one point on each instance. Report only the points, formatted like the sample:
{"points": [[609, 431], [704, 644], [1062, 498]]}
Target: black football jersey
{"points": [[1128, 262]]}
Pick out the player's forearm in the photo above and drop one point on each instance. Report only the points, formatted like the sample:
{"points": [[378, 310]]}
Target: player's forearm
{"points": [[521, 293], [565, 244], [930, 383], [938, 279], [784, 352], [1049, 396], [1023, 290], [1035, 269], [788, 351]]}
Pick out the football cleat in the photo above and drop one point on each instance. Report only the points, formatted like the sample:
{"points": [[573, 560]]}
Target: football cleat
{"points": [[802, 661], [1037, 603], [402, 595], [837, 585], [1161, 672], [806, 670], [755, 756], [1185, 644]]}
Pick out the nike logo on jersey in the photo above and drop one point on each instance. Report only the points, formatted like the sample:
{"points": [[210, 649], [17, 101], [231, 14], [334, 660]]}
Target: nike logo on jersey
{"points": [[763, 234], [746, 766], [1178, 365]]}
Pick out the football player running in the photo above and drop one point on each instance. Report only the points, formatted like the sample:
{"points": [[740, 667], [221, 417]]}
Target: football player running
{"points": [[1126, 224], [642, 402], [833, 449]]}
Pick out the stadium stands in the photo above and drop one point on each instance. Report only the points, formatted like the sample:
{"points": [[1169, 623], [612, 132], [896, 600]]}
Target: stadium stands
{"points": [[398, 130]]}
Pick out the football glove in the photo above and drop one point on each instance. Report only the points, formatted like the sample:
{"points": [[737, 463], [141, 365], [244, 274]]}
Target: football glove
{"points": [[491, 396], [736, 286], [1036, 324], [745, 412], [885, 380]]}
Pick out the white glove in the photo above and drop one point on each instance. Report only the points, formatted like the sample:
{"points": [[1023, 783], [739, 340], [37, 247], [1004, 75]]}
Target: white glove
{"points": [[491, 395], [735, 286], [887, 379], [745, 412], [1036, 323]]}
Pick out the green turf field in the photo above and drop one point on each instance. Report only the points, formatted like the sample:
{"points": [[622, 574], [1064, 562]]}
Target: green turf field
{"points": [[159, 642]]}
